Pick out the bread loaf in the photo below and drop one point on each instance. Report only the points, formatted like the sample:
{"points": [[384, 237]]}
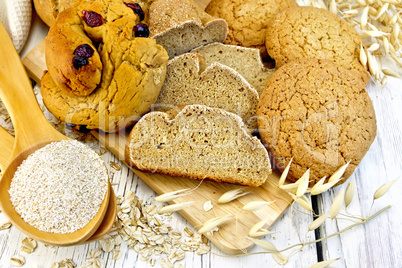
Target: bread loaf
{"points": [[198, 143], [181, 25], [246, 61], [100, 72], [189, 81]]}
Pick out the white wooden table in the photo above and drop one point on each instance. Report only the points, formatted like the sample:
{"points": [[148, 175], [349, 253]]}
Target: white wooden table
{"points": [[375, 244]]}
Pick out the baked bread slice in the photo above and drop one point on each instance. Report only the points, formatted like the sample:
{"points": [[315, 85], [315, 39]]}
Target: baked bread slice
{"points": [[181, 25], [246, 61], [198, 143], [189, 81]]}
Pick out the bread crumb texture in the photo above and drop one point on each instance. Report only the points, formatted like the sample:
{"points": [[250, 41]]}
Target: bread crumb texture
{"points": [[190, 81], [181, 25], [246, 61], [248, 20], [199, 143], [319, 114], [122, 79], [308, 32]]}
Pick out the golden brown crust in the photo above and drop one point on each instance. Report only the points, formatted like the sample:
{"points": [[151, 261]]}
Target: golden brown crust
{"points": [[248, 20], [308, 32], [123, 77], [48, 10], [63, 38], [319, 114]]}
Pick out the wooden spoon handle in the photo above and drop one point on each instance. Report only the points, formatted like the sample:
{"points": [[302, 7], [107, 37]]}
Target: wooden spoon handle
{"points": [[16, 93], [6, 145]]}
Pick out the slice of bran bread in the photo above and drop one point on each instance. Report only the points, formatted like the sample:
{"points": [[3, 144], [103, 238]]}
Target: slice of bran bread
{"points": [[189, 81], [246, 61], [181, 25], [199, 142]]}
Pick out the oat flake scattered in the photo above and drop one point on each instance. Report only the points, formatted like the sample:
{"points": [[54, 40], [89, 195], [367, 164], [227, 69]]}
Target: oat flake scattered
{"points": [[208, 205]]}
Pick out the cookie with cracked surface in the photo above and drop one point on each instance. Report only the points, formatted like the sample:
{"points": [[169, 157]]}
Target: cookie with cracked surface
{"points": [[248, 20], [100, 74], [308, 32], [319, 114]]}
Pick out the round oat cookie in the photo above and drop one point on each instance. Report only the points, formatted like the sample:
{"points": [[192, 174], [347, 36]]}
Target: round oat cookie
{"points": [[319, 114], [247, 19], [308, 32]]}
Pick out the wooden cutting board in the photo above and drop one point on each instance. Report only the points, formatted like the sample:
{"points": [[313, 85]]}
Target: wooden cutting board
{"points": [[231, 237]]}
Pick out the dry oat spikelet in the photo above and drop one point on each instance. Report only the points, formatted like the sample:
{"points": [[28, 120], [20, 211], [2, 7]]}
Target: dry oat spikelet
{"points": [[337, 203], [171, 195], [257, 231], [213, 223], [363, 56], [232, 195], [323, 188], [339, 172], [302, 201], [390, 73], [285, 173], [175, 207], [303, 183], [364, 18], [289, 186], [317, 222], [350, 191], [264, 244], [383, 189]]}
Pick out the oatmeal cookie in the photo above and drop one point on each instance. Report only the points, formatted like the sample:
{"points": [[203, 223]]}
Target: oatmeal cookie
{"points": [[319, 114], [248, 20], [308, 32]]}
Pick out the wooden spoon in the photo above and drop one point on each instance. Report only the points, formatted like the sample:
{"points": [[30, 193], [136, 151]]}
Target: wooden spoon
{"points": [[6, 145], [32, 131]]}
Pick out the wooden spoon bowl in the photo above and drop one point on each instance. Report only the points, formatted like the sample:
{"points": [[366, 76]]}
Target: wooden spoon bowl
{"points": [[6, 145], [32, 131]]}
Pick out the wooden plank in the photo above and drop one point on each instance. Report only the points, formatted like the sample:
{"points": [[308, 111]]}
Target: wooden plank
{"points": [[35, 62], [377, 243], [231, 237]]}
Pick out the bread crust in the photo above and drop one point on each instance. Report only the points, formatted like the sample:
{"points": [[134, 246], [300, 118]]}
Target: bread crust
{"points": [[181, 25], [247, 164]]}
